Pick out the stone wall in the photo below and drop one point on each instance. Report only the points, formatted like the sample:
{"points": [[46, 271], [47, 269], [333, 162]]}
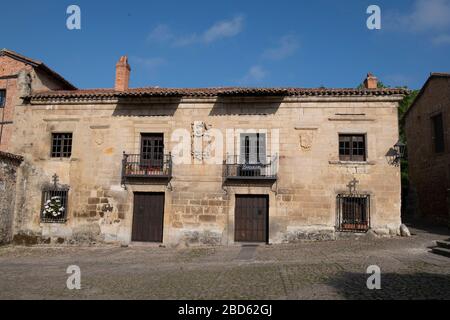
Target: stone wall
{"points": [[430, 171], [11, 68], [8, 173], [199, 206]]}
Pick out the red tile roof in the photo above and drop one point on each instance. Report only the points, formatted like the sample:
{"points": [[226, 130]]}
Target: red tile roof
{"points": [[214, 92]]}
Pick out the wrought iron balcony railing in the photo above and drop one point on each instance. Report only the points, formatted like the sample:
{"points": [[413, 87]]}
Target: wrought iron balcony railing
{"points": [[144, 166], [237, 168]]}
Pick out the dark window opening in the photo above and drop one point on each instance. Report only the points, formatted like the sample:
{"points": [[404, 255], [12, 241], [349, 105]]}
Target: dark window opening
{"points": [[61, 145], [438, 133], [152, 149], [353, 212], [352, 147], [2, 98]]}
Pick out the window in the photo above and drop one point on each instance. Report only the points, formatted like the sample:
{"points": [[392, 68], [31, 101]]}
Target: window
{"points": [[2, 98], [61, 145], [54, 205], [352, 147], [438, 133], [152, 149], [253, 148], [353, 212]]}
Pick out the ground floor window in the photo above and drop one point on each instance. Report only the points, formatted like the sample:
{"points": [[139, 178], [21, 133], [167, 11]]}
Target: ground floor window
{"points": [[54, 205], [353, 212]]}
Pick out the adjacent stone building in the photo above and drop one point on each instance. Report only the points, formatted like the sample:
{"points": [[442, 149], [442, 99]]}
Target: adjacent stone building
{"points": [[9, 164], [20, 75], [427, 126], [207, 165]]}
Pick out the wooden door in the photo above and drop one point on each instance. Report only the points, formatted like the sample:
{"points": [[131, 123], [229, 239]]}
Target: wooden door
{"points": [[148, 217], [251, 218]]}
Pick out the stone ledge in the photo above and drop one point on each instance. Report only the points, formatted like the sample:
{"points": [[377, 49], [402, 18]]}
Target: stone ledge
{"points": [[352, 163]]}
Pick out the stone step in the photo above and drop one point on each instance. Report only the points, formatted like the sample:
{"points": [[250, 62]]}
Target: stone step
{"points": [[443, 244], [441, 251]]}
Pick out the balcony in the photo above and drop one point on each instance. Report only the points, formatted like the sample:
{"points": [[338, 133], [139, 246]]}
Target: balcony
{"points": [[236, 168], [139, 166]]}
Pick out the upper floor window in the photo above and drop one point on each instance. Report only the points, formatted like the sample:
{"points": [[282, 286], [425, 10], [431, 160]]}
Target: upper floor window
{"points": [[352, 147], [2, 98], [152, 149], [61, 145], [253, 148], [438, 133]]}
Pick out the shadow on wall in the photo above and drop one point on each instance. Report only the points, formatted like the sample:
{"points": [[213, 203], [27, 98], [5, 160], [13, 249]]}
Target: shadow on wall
{"points": [[143, 109], [225, 106], [395, 286]]}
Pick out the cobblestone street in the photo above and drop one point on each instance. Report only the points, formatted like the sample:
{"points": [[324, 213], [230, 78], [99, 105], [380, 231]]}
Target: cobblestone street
{"points": [[315, 270]]}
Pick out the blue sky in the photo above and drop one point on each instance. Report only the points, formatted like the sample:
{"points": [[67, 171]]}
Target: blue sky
{"points": [[201, 43]]}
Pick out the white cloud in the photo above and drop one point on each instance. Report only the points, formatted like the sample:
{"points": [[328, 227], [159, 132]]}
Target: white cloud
{"points": [[255, 74], [287, 46], [161, 33], [219, 30], [425, 15], [224, 29], [440, 40]]}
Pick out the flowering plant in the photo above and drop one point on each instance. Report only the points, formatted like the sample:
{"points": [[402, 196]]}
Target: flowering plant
{"points": [[53, 208]]}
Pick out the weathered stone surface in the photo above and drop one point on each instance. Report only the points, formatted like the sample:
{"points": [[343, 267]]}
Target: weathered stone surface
{"points": [[197, 200], [404, 231], [383, 232], [429, 169], [26, 239], [87, 233], [8, 176], [310, 235]]}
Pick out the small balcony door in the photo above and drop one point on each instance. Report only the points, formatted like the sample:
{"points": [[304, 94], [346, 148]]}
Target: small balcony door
{"points": [[152, 151], [253, 148], [252, 158]]}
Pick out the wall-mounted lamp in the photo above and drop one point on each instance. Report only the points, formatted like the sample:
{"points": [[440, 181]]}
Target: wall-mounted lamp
{"points": [[400, 148], [396, 153]]}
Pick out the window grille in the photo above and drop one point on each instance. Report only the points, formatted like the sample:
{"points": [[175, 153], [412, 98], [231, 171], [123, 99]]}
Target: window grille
{"points": [[353, 212], [54, 204]]}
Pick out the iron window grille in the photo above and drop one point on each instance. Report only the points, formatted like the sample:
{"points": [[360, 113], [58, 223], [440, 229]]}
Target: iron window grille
{"points": [[353, 212], [438, 133], [352, 147], [61, 145], [54, 204], [2, 98]]}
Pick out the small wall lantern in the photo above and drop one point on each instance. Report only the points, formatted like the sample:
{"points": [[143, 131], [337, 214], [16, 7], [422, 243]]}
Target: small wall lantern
{"points": [[396, 153], [400, 148]]}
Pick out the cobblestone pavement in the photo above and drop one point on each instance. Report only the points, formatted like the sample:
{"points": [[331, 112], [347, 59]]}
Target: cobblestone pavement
{"points": [[314, 270]]}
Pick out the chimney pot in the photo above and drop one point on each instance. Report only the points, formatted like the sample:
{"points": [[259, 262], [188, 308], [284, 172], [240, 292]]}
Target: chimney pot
{"points": [[122, 74], [371, 82]]}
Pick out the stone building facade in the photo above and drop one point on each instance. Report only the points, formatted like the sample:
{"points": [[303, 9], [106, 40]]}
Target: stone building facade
{"points": [[20, 75], [9, 164], [207, 166], [427, 126]]}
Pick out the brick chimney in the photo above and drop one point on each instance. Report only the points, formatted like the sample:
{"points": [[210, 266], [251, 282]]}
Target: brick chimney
{"points": [[371, 82], [122, 74]]}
